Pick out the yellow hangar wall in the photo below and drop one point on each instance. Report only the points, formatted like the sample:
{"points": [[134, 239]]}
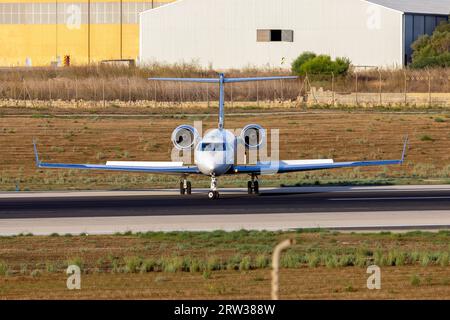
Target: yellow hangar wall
{"points": [[39, 32]]}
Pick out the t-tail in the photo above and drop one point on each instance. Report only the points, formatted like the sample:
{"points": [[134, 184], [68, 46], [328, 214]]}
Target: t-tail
{"points": [[222, 80]]}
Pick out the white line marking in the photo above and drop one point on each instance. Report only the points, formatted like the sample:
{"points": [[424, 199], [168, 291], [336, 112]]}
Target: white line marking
{"points": [[391, 198]]}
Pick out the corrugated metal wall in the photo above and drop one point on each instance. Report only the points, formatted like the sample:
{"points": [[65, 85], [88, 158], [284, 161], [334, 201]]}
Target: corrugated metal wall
{"points": [[223, 34], [40, 31]]}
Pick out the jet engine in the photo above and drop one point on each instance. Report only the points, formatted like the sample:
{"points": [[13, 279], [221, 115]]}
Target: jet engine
{"points": [[184, 137], [253, 136]]}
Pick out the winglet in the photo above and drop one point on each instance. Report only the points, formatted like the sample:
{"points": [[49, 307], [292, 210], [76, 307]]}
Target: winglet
{"points": [[405, 147], [36, 155]]}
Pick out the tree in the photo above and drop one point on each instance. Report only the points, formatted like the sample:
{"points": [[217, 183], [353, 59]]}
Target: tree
{"points": [[434, 50], [309, 62]]}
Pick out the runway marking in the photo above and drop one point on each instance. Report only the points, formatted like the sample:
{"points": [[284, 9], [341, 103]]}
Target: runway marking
{"points": [[388, 198]]}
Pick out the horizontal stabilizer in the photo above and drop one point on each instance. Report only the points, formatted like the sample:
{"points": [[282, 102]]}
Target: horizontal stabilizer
{"points": [[232, 80], [225, 80], [147, 164], [198, 80]]}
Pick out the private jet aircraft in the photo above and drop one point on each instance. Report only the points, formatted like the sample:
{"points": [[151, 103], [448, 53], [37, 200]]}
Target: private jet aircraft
{"points": [[215, 153]]}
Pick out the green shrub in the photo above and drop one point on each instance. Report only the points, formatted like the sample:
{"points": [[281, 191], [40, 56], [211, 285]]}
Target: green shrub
{"points": [[396, 258], [132, 264], [262, 261], [313, 260], [425, 259], [246, 263], [115, 266], [148, 265], [23, 268], [173, 264], [311, 63], [361, 260], [35, 273], [50, 267], [379, 258], [434, 50], [234, 262], [415, 280], [443, 259], [301, 60], [206, 274], [4, 269], [290, 260], [331, 261], [426, 138], [213, 263], [75, 261], [346, 261], [195, 265], [414, 257]]}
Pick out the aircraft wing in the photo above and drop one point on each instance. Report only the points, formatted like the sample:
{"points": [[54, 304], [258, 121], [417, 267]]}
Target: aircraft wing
{"points": [[310, 165], [170, 168]]}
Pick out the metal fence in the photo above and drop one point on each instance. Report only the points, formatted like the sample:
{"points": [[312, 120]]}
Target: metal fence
{"points": [[373, 87]]}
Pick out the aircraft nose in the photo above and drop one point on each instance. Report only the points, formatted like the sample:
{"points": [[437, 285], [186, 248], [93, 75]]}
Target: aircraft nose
{"points": [[210, 166]]}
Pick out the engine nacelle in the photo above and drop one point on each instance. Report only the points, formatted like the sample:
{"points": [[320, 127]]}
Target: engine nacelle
{"points": [[253, 136], [184, 137]]}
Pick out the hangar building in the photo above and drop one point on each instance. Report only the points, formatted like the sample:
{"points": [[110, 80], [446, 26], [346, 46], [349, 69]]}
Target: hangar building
{"points": [[266, 33], [39, 32]]}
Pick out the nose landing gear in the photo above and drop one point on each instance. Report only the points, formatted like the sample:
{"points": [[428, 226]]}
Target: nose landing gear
{"points": [[185, 187], [253, 185], [213, 194]]}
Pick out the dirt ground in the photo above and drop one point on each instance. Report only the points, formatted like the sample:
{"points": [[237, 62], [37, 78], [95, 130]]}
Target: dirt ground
{"points": [[320, 283], [33, 267], [340, 135]]}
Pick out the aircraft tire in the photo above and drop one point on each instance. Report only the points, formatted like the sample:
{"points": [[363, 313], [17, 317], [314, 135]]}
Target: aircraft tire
{"points": [[256, 187], [249, 187], [189, 188]]}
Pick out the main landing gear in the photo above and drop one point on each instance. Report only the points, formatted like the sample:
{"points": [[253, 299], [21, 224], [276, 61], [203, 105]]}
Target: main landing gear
{"points": [[253, 185], [213, 194], [185, 187]]}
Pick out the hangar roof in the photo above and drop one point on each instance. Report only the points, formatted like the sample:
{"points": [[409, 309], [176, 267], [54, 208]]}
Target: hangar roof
{"points": [[438, 7]]}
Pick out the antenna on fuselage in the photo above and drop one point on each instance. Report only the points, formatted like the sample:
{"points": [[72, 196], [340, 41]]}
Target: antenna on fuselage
{"points": [[222, 81]]}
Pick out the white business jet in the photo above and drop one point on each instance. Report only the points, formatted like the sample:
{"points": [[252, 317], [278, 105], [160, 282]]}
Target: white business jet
{"points": [[215, 153]]}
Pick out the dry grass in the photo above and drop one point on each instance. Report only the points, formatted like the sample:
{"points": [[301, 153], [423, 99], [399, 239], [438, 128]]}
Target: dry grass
{"points": [[339, 135], [98, 83], [112, 266]]}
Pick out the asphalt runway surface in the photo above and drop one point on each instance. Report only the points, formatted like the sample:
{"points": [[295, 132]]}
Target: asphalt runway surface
{"points": [[422, 207]]}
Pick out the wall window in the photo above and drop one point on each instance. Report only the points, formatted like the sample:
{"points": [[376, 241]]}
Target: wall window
{"points": [[274, 35]]}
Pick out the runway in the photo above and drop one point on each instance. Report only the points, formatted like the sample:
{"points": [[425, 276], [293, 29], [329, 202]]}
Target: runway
{"points": [[344, 208]]}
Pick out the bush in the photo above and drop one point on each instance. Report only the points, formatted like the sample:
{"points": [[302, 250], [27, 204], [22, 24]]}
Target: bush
{"points": [[443, 259], [173, 264], [133, 264], [213, 263], [290, 260], [234, 262], [76, 261], [313, 260], [246, 264], [301, 60], [434, 50], [415, 280], [309, 62], [262, 261], [195, 265], [35, 273], [3, 269], [426, 138]]}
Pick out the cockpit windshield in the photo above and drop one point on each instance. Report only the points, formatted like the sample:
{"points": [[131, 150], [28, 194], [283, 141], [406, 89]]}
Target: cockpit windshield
{"points": [[213, 146]]}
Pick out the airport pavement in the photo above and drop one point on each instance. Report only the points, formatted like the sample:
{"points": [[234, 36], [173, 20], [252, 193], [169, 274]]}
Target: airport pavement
{"points": [[344, 208]]}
